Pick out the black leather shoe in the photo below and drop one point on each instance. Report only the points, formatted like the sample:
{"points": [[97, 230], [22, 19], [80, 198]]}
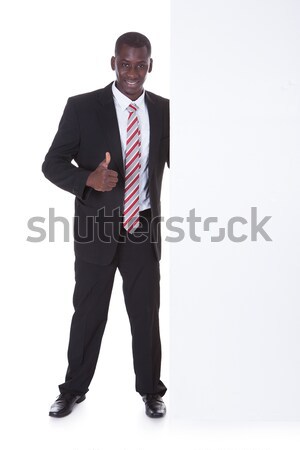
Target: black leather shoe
{"points": [[155, 406], [64, 404]]}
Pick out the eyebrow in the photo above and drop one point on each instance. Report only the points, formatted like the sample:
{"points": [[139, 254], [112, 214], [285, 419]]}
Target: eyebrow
{"points": [[126, 60]]}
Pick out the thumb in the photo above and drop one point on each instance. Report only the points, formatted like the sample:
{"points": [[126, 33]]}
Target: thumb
{"points": [[106, 160]]}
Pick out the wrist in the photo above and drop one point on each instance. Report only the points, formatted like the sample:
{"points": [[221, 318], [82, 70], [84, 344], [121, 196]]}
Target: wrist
{"points": [[89, 182]]}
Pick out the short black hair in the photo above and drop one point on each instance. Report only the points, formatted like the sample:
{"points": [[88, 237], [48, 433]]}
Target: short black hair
{"points": [[133, 39]]}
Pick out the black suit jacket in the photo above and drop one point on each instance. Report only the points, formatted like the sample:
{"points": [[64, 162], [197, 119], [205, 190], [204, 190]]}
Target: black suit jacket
{"points": [[87, 130]]}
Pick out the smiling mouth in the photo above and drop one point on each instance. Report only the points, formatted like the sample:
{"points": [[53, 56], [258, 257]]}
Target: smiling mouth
{"points": [[132, 83]]}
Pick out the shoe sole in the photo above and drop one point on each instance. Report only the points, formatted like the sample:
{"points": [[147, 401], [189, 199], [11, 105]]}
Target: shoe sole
{"points": [[58, 416]]}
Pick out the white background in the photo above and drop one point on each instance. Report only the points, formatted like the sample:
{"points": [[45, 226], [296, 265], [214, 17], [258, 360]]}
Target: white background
{"points": [[244, 77], [54, 50]]}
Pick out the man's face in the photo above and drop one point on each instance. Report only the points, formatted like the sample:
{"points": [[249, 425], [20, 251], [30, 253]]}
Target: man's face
{"points": [[131, 66]]}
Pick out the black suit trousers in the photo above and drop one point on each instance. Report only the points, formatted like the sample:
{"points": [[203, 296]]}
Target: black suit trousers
{"points": [[136, 260]]}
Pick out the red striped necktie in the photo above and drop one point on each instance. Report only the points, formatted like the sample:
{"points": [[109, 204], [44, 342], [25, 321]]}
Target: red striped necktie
{"points": [[132, 171]]}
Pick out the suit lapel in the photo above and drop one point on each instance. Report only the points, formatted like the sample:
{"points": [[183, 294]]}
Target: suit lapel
{"points": [[109, 124], [155, 129]]}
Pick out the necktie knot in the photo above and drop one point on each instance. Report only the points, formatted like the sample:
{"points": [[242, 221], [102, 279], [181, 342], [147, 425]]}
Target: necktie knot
{"points": [[132, 108]]}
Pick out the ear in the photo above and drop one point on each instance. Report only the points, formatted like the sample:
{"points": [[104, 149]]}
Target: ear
{"points": [[113, 62], [150, 65]]}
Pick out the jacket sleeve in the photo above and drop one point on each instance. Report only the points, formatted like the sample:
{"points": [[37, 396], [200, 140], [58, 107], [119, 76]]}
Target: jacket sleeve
{"points": [[58, 166]]}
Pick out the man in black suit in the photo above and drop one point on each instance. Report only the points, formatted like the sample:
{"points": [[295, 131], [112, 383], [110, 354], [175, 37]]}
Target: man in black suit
{"points": [[118, 137]]}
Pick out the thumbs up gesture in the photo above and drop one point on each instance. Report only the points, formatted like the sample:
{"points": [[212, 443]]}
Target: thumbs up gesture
{"points": [[103, 179]]}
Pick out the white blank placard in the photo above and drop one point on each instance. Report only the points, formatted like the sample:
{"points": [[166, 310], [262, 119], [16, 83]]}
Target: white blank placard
{"points": [[235, 310]]}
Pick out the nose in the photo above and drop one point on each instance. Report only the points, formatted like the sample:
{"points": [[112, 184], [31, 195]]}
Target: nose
{"points": [[132, 72]]}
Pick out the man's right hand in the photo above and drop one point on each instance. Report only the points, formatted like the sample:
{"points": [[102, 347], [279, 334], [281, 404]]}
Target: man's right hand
{"points": [[103, 179]]}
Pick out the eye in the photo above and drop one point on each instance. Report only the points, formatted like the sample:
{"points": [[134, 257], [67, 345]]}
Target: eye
{"points": [[125, 65], [141, 66]]}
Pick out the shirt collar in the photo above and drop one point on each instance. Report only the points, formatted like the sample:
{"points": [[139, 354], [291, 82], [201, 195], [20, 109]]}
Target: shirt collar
{"points": [[124, 101]]}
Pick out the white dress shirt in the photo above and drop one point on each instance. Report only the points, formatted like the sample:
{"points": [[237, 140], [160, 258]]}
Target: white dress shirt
{"points": [[121, 103]]}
